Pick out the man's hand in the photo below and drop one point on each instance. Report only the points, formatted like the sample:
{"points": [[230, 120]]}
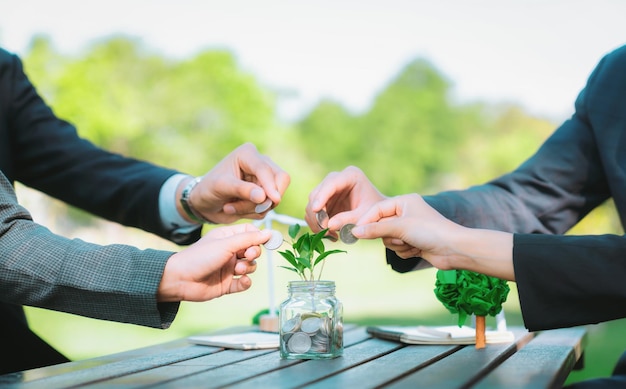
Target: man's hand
{"points": [[236, 185], [216, 265]]}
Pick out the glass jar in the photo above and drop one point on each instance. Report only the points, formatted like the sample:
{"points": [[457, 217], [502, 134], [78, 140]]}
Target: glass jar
{"points": [[311, 321]]}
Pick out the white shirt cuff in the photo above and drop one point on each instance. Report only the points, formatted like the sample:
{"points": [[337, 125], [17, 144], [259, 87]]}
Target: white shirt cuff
{"points": [[171, 219]]}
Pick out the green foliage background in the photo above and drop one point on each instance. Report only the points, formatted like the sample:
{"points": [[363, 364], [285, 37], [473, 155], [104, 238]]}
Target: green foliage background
{"points": [[188, 114]]}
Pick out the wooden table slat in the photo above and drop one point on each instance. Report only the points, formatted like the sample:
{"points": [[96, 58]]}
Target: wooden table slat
{"points": [[544, 362], [387, 368], [534, 360], [121, 368], [312, 370], [255, 367], [463, 367]]}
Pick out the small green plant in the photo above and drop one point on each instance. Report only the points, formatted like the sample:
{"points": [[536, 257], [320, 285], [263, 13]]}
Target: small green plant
{"points": [[308, 251]]}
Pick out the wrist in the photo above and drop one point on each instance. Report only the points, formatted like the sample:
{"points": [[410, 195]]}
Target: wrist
{"points": [[486, 251], [185, 201], [170, 287]]}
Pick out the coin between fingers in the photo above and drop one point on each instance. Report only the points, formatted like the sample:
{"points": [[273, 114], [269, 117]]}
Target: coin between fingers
{"points": [[321, 217], [345, 234], [264, 206], [275, 241]]}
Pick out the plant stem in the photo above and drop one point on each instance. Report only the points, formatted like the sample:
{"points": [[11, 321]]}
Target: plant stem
{"points": [[319, 275]]}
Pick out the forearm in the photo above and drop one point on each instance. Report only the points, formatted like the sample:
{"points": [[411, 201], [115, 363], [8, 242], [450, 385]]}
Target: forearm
{"points": [[483, 251]]}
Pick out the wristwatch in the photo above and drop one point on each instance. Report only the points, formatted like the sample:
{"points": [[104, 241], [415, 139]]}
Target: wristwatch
{"points": [[185, 202]]}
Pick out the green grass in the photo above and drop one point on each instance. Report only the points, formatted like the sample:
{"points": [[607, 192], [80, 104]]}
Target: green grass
{"points": [[370, 291]]}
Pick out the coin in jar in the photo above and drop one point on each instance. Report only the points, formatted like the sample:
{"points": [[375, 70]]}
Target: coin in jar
{"points": [[311, 325], [345, 234], [291, 325], [299, 343]]}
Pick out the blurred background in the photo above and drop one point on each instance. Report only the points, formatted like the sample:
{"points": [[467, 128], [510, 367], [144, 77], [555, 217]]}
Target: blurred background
{"points": [[423, 96]]}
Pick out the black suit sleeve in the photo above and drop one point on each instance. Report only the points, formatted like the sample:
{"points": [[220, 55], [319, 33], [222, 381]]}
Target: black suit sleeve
{"points": [[44, 152], [562, 280], [570, 280]]}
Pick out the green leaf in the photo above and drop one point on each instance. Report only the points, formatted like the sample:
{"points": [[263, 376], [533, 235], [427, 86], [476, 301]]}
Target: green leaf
{"points": [[293, 230], [316, 241], [291, 258], [305, 247], [290, 268], [304, 262], [325, 254]]}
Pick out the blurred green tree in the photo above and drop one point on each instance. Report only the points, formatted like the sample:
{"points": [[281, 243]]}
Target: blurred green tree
{"points": [[189, 113], [185, 114]]}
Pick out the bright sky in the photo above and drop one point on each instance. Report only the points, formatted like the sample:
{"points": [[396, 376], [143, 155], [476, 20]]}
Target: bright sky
{"points": [[537, 53]]}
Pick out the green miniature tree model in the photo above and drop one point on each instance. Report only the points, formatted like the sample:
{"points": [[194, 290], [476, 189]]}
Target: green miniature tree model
{"points": [[470, 293]]}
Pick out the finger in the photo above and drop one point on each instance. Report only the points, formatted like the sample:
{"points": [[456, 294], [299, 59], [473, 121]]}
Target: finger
{"points": [[245, 267], [240, 284], [339, 220], [413, 252], [245, 209], [252, 253], [230, 230], [380, 229], [311, 219], [243, 241], [330, 185], [382, 209], [401, 246], [236, 188], [393, 242], [268, 175]]}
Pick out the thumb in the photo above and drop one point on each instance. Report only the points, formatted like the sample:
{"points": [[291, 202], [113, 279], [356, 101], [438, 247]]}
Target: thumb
{"points": [[244, 240], [381, 229], [337, 221]]}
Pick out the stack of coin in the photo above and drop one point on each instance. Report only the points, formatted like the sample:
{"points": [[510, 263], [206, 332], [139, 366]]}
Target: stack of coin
{"points": [[309, 334], [299, 343]]}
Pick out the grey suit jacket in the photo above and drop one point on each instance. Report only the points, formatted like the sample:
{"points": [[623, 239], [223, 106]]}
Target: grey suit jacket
{"points": [[42, 269], [562, 280]]}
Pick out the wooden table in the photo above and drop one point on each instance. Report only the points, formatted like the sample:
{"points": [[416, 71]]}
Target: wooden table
{"points": [[534, 360]]}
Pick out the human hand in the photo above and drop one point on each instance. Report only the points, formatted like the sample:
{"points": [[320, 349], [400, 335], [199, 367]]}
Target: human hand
{"points": [[237, 184], [423, 232], [344, 195], [215, 265], [410, 227]]}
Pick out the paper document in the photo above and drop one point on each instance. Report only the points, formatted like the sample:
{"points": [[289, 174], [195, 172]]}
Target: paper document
{"points": [[251, 340], [437, 334]]}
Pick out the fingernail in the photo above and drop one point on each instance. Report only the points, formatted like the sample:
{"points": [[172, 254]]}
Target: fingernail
{"points": [[257, 194], [358, 230]]}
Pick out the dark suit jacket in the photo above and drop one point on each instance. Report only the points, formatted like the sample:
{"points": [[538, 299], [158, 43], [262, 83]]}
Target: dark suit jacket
{"points": [[43, 152], [41, 269], [562, 280]]}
